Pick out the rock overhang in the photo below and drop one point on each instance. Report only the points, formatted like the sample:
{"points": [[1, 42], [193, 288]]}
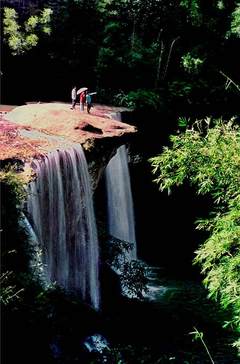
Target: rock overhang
{"points": [[34, 130]]}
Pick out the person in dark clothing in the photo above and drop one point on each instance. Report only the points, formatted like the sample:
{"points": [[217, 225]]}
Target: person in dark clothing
{"points": [[88, 102]]}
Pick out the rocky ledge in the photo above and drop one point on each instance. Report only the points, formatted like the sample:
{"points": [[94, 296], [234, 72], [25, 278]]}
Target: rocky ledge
{"points": [[33, 130]]}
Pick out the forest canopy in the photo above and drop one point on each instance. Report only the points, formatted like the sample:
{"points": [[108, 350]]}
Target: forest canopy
{"points": [[176, 49]]}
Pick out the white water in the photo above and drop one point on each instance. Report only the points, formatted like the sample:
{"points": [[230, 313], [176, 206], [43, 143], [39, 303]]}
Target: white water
{"points": [[60, 209], [121, 222], [35, 260]]}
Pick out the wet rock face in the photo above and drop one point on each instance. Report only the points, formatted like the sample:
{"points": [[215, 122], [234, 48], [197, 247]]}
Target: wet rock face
{"points": [[100, 154]]}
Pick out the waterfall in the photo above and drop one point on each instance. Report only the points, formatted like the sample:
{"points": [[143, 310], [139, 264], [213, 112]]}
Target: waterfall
{"points": [[35, 257], [121, 223], [60, 209]]}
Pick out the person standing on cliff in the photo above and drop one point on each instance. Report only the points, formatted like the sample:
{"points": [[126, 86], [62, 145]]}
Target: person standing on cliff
{"points": [[82, 100], [88, 102], [74, 97]]}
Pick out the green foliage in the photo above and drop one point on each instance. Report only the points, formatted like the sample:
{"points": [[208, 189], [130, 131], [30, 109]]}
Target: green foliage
{"points": [[209, 159], [8, 291], [134, 278], [14, 182], [191, 64], [131, 30], [31, 23], [197, 335], [235, 23], [180, 89], [230, 83], [220, 5], [13, 194], [183, 123], [139, 99], [127, 45], [121, 99], [109, 7], [220, 260], [20, 41], [193, 8], [132, 273], [236, 345], [116, 251]]}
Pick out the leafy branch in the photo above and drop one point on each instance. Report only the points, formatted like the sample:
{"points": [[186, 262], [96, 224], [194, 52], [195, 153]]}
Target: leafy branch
{"points": [[23, 38], [230, 82], [8, 292], [199, 336]]}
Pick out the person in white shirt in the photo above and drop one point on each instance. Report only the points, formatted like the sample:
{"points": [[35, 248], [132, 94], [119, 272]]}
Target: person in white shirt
{"points": [[74, 97]]}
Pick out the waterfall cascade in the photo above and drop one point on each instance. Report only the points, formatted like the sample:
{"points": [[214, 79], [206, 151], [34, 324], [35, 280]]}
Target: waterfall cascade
{"points": [[60, 209], [121, 223]]}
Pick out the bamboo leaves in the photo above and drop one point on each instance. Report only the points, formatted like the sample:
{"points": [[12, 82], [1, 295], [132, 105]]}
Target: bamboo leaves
{"points": [[208, 158]]}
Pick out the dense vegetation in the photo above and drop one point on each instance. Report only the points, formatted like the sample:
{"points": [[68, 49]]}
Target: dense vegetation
{"points": [[209, 159], [181, 53], [12, 194], [150, 56]]}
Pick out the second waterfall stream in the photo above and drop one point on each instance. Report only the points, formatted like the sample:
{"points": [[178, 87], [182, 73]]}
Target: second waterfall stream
{"points": [[121, 222]]}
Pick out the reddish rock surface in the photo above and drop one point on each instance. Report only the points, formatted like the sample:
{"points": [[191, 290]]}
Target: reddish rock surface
{"points": [[35, 129]]}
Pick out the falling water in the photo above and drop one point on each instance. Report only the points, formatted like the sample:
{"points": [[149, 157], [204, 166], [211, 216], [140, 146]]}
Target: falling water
{"points": [[60, 209], [121, 222]]}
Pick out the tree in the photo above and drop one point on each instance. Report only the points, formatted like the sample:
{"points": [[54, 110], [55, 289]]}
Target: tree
{"points": [[137, 41], [235, 22], [21, 39], [209, 159], [176, 48]]}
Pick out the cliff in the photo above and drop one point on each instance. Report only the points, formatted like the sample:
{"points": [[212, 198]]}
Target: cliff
{"points": [[34, 130]]}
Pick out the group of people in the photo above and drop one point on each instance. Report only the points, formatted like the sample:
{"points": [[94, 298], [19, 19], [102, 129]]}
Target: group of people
{"points": [[84, 98]]}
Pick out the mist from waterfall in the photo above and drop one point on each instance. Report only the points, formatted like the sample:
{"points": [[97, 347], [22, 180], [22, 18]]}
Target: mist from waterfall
{"points": [[60, 210], [121, 222]]}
